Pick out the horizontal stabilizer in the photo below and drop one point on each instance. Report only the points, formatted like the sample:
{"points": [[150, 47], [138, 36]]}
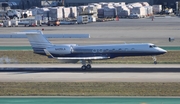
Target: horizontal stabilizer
{"points": [[22, 35]]}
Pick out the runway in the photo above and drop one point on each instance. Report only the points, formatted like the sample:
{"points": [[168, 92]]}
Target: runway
{"points": [[89, 77], [99, 73], [61, 66]]}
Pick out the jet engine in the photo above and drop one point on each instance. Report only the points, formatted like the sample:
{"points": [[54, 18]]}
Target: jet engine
{"points": [[63, 50]]}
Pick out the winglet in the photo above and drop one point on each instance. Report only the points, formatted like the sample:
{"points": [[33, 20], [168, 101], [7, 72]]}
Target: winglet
{"points": [[48, 54]]}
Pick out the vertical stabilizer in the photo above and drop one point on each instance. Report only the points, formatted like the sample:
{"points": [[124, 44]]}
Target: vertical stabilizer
{"points": [[38, 41]]}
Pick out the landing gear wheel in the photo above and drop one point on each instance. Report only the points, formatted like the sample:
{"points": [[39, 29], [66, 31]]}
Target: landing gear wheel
{"points": [[155, 60], [88, 66], [84, 67]]}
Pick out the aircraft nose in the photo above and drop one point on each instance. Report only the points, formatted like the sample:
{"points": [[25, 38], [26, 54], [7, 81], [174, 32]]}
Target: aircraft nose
{"points": [[162, 50]]}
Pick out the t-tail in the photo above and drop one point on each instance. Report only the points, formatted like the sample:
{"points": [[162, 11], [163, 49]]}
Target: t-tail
{"points": [[38, 41]]}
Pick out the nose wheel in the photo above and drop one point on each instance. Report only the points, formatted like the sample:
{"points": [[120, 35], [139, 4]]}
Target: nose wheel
{"points": [[154, 59], [84, 66]]}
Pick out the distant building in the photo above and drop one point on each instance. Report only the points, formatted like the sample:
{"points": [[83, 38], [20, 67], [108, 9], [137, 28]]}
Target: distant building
{"points": [[166, 3], [85, 2], [26, 4]]}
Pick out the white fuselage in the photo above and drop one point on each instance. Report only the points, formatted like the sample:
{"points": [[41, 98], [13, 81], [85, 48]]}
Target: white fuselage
{"points": [[110, 50]]}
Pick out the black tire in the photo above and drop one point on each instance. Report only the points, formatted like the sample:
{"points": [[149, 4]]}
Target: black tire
{"points": [[84, 67], [88, 66]]}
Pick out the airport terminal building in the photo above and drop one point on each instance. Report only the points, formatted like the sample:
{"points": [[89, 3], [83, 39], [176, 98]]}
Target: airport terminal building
{"points": [[85, 2], [167, 3], [26, 4]]}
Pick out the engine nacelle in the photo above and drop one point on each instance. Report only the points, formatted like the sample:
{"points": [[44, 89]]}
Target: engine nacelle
{"points": [[60, 50]]}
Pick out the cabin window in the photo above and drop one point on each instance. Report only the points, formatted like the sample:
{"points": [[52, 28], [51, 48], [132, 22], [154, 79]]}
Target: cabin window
{"points": [[94, 50], [106, 50], [154, 46], [100, 50]]}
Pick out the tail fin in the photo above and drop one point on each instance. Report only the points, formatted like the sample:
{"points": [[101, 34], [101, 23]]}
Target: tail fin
{"points": [[37, 40]]}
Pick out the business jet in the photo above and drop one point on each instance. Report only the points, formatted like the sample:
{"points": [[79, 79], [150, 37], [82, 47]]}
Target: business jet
{"points": [[72, 53]]}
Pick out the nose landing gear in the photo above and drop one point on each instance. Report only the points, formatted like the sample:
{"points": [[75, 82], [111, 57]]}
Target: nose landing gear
{"points": [[154, 59]]}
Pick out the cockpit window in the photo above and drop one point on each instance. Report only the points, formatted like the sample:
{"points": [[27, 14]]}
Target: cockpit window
{"points": [[152, 46]]}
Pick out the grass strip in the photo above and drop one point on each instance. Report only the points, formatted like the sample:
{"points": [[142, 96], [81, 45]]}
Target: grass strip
{"points": [[171, 48], [28, 57], [88, 89]]}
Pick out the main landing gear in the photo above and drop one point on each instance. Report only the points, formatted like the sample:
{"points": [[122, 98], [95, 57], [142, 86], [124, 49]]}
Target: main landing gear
{"points": [[86, 66], [154, 59]]}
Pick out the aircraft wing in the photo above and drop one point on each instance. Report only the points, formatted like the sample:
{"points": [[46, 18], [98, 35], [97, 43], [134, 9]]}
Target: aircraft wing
{"points": [[83, 58], [76, 58]]}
